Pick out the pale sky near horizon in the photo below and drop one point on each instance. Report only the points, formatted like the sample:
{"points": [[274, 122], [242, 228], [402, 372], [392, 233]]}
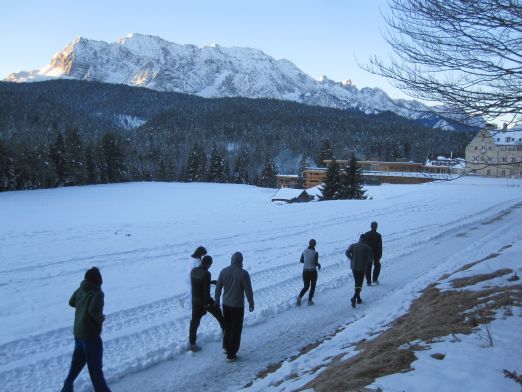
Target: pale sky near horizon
{"points": [[322, 37]]}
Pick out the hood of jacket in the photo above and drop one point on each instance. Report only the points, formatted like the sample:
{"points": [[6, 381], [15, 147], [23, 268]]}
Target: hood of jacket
{"points": [[237, 259]]}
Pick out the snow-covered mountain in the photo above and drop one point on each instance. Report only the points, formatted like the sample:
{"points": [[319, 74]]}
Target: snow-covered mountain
{"points": [[210, 71]]}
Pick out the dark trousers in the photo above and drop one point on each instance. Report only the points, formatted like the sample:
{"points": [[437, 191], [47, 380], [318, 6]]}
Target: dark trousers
{"points": [[358, 277], [368, 272], [376, 270], [233, 329], [90, 352], [309, 279], [198, 312]]}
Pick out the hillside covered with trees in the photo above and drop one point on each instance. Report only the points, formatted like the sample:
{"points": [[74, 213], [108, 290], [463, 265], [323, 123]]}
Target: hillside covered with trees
{"points": [[67, 132]]}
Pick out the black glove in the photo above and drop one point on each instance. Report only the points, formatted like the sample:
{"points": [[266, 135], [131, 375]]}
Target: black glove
{"points": [[213, 282], [318, 266], [251, 308]]}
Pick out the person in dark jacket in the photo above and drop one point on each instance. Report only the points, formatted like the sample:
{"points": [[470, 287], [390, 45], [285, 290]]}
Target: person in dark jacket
{"points": [[202, 302], [236, 284], [360, 255], [310, 260], [88, 301], [374, 241]]}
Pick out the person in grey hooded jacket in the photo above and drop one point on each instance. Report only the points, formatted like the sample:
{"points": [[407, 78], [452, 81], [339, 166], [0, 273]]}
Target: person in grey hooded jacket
{"points": [[360, 255], [235, 281]]}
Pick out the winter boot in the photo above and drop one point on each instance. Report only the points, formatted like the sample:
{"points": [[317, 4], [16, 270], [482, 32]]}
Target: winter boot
{"points": [[353, 302], [194, 348], [298, 301]]}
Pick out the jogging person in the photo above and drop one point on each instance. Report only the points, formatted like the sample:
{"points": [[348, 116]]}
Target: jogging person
{"points": [[310, 260]]}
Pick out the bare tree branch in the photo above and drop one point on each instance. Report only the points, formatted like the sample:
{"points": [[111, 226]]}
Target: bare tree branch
{"points": [[466, 54]]}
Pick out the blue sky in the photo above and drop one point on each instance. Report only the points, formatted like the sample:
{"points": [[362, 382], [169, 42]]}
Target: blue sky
{"points": [[322, 37]]}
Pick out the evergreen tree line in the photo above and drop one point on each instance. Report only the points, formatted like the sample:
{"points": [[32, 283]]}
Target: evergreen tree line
{"points": [[66, 132], [70, 160]]}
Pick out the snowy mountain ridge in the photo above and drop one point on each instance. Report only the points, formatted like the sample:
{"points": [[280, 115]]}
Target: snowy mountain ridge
{"points": [[211, 71]]}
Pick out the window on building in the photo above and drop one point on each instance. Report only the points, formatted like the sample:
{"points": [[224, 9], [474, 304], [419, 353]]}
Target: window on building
{"points": [[503, 173], [504, 159], [488, 172], [513, 159], [490, 148], [476, 147]]}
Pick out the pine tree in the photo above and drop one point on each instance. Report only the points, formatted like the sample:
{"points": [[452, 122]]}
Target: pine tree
{"points": [[90, 165], [352, 181], [267, 178], [303, 163], [216, 170], [330, 188], [58, 158], [7, 169], [326, 153], [114, 157], [240, 172], [196, 164], [74, 157]]}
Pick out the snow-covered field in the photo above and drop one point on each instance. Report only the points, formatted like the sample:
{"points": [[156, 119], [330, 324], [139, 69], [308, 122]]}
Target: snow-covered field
{"points": [[141, 236]]}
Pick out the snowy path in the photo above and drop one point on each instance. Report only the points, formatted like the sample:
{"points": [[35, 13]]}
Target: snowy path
{"points": [[146, 328], [284, 335]]}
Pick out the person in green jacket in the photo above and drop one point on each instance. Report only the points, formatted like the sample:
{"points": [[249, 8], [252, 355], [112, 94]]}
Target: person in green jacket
{"points": [[88, 320]]}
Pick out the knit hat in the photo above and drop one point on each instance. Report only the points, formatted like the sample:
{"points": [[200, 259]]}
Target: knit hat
{"points": [[93, 275], [312, 243]]}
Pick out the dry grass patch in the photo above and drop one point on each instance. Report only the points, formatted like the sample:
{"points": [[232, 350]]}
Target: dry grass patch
{"points": [[434, 314]]}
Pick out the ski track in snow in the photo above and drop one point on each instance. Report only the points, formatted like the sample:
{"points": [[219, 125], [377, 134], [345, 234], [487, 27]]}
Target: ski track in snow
{"points": [[140, 337], [152, 333]]}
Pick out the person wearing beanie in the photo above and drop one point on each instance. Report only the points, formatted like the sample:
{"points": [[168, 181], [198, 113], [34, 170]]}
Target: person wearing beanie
{"points": [[202, 302], [88, 301], [195, 261], [360, 256], [235, 283], [374, 241], [310, 260]]}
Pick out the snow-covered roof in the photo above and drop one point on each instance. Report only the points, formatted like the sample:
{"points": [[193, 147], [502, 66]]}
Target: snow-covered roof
{"points": [[288, 193], [511, 136]]}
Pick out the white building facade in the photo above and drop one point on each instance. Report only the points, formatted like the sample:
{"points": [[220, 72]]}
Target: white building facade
{"points": [[496, 153]]}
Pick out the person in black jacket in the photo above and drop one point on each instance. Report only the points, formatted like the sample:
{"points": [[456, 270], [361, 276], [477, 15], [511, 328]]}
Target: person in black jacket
{"points": [[202, 302], [374, 241], [360, 256], [88, 301], [310, 260]]}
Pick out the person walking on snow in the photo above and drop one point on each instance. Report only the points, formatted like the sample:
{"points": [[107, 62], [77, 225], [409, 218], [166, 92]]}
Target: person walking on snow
{"points": [[360, 255], [235, 281], [202, 302], [310, 260], [374, 241], [195, 261], [88, 301]]}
